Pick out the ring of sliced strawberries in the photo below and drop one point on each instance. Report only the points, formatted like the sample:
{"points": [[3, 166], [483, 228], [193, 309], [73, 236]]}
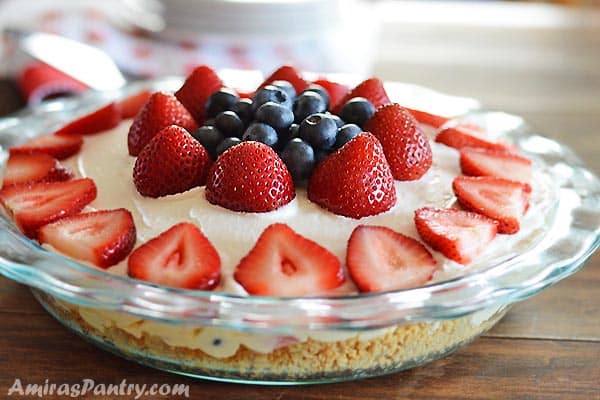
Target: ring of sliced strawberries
{"points": [[351, 171]]}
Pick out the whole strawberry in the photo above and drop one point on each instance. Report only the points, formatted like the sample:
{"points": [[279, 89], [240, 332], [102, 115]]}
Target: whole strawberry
{"points": [[250, 177], [196, 90], [405, 145], [172, 162], [160, 111], [371, 89], [355, 181]]}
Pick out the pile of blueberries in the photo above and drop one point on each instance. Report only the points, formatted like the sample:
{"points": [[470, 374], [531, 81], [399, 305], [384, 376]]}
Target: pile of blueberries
{"points": [[297, 126]]}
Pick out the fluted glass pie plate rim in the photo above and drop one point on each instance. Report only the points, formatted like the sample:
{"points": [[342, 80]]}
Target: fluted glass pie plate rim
{"points": [[572, 237]]}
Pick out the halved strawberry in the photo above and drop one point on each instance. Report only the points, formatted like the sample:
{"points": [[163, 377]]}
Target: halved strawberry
{"points": [[36, 167], [500, 199], [461, 136], [249, 177], [37, 204], [283, 263], [336, 91], [286, 73], [102, 238], [59, 147], [132, 105], [100, 120], [172, 162], [179, 257], [355, 181], [380, 259], [426, 118], [161, 110], [405, 145], [498, 163], [196, 90], [371, 89], [457, 234]]}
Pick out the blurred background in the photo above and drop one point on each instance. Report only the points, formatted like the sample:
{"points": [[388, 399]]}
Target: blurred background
{"points": [[537, 59]]}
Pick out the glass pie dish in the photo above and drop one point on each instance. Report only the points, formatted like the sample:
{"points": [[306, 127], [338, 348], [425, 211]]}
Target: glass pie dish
{"points": [[271, 340]]}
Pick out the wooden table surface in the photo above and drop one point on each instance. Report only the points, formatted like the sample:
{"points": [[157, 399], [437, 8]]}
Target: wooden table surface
{"points": [[547, 347]]}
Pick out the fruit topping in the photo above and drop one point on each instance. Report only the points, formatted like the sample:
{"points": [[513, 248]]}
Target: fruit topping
{"points": [[172, 162], [59, 147], [37, 204], [244, 109], [100, 120], [286, 73], [229, 124], [259, 132], [461, 136], [209, 137], [299, 157], [132, 105], [345, 134], [275, 115], [179, 257], [371, 89], [223, 99], [459, 235], [336, 91], [320, 90], [498, 163], [272, 94], [355, 181], [225, 144], [500, 199], [405, 145], [249, 177], [287, 87], [318, 130], [35, 167], [357, 111], [426, 118], [306, 104], [103, 238], [283, 263], [380, 259], [196, 90], [160, 111]]}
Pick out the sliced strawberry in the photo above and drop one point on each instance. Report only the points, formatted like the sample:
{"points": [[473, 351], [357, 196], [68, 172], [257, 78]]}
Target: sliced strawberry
{"points": [[426, 118], [380, 259], [161, 110], [36, 167], [132, 105], [336, 91], [100, 120], [196, 90], [457, 234], [500, 199], [406, 147], [501, 164], [37, 204], [102, 238], [179, 257], [461, 136], [172, 162], [355, 181], [283, 263], [59, 147], [286, 73], [250, 177], [371, 89]]}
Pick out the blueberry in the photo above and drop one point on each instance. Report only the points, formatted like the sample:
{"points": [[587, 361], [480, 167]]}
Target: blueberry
{"points": [[243, 108], [299, 157], [226, 143], [313, 87], [209, 122], [289, 133], [306, 104], [209, 137], [260, 132], [229, 124], [338, 121], [286, 87], [271, 93], [222, 100], [345, 134], [321, 154], [319, 130], [275, 115], [357, 111]]}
